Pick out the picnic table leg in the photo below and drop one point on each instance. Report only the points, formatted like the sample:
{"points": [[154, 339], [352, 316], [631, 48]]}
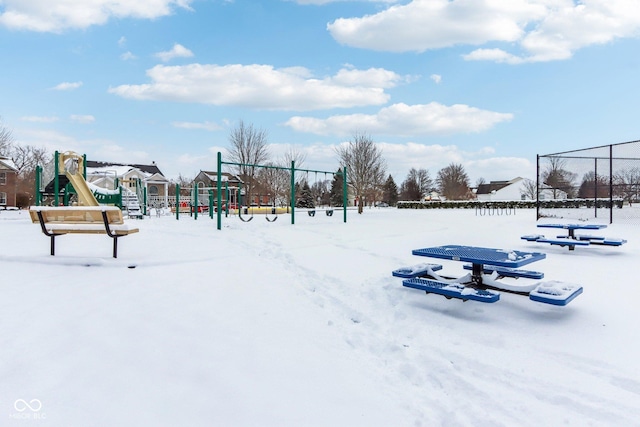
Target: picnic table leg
{"points": [[53, 244], [476, 273]]}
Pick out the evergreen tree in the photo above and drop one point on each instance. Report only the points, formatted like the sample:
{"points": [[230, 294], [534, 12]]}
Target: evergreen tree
{"points": [[306, 197], [337, 185], [390, 192]]}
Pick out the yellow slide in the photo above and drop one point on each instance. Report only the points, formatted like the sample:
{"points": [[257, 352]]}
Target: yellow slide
{"points": [[73, 165]]}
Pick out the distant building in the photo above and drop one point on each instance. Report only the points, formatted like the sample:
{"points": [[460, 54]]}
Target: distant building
{"points": [[502, 190], [106, 174], [8, 183], [206, 180]]}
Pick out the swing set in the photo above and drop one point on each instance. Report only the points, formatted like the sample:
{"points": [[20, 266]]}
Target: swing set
{"points": [[273, 209]]}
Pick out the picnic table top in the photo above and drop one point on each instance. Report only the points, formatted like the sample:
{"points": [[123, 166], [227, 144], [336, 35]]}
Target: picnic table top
{"points": [[481, 255], [574, 226]]}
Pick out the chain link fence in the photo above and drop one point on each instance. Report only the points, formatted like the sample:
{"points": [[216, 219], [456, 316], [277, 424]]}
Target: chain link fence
{"points": [[599, 183]]}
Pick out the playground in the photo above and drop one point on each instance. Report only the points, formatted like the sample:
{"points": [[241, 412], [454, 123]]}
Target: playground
{"points": [[268, 323]]}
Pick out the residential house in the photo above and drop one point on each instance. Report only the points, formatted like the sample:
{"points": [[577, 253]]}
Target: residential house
{"points": [[8, 183], [109, 175], [208, 180], [502, 190]]}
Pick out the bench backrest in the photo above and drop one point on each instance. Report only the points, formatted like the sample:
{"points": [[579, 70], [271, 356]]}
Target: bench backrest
{"points": [[76, 215]]}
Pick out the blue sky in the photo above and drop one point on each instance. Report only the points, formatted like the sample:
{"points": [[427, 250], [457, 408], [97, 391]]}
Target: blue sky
{"points": [[485, 83]]}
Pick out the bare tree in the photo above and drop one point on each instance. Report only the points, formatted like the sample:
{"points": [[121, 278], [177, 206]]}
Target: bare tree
{"points": [[248, 148], [293, 155], [453, 182], [627, 184], [558, 178], [276, 182], [27, 157], [366, 169], [424, 183], [529, 189], [6, 140]]}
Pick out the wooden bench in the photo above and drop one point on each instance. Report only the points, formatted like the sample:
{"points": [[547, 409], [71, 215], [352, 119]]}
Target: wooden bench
{"points": [[56, 221]]}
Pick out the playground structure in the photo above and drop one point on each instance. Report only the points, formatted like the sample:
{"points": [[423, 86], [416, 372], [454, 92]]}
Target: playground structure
{"points": [[65, 177], [272, 209]]}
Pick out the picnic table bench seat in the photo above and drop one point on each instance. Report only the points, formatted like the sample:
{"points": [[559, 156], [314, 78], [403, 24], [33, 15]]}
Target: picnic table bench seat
{"points": [[555, 292], [416, 270], [57, 221], [451, 290]]}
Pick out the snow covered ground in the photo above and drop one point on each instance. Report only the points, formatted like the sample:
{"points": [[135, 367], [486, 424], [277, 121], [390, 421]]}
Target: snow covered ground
{"points": [[273, 324]]}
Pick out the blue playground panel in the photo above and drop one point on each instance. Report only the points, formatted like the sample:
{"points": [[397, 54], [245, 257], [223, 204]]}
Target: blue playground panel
{"points": [[451, 290], [417, 270], [508, 272]]}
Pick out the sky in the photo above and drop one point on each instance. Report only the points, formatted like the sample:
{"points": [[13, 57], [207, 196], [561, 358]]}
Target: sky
{"points": [[488, 84]]}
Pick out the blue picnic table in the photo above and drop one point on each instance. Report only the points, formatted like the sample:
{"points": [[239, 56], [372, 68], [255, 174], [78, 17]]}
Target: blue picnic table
{"points": [[571, 228], [488, 266], [479, 256], [572, 239]]}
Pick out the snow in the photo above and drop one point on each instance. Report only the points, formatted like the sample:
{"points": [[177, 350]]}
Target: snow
{"points": [[273, 324]]}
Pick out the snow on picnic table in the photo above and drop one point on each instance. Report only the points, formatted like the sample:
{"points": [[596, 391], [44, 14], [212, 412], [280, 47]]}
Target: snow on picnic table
{"points": [[273, 324]]}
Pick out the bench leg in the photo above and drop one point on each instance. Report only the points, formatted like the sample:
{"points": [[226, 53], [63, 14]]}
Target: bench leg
{"points": [[115, 247], [53, 244]]}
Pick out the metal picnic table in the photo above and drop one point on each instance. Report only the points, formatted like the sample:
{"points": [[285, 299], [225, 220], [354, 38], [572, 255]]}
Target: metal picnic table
{"points": [[488, 266], [479, 256], [571, 228]]}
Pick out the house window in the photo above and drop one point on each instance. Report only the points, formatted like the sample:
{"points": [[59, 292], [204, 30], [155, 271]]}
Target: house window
{"points": [[3, 198], [3, 178], [153, 190]]}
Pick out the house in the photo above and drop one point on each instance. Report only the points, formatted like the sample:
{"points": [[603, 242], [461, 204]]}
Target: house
{"points": [[8, 183], [135, 177], [206, 180], [502, 190]]}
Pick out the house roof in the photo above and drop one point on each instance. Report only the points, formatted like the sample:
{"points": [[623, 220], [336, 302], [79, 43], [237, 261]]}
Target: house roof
{"points": [[8, 163], [226, 176], [495, 186], [150, 169]]}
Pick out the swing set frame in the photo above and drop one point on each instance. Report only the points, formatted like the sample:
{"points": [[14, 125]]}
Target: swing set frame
{"points": [[292, 170]]}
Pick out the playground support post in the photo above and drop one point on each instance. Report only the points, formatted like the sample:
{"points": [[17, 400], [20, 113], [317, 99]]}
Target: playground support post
{"points": [[177, 201], [38, 192]]}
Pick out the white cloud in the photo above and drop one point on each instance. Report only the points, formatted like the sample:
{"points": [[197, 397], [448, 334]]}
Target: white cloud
{"points": [[537, 30], [177, 51], [496, 55], [82, 118], [39, 119], [436, 78], [263, 87], [122, 41], [401, 157], [408, 120], [127, 56], [67, 86], [59, 15], [322, 2], [192, 125]]}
